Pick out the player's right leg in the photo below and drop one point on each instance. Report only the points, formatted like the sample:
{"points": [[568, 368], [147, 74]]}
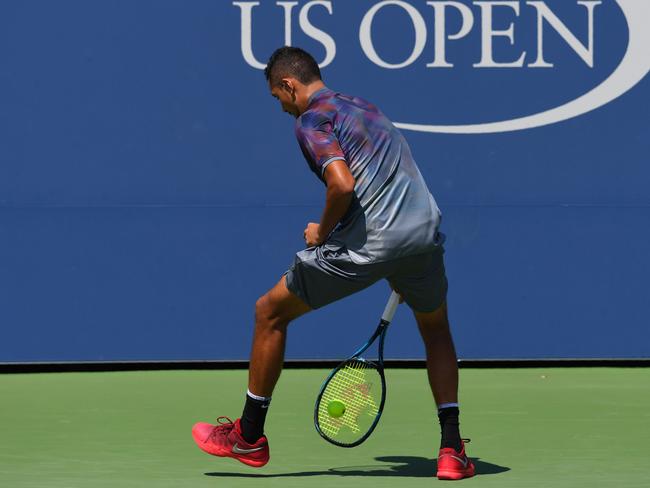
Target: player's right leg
{"points": [[441, 360], [422, 283], [442, 370]]}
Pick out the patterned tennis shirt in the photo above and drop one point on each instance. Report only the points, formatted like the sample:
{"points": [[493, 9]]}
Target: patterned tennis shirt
{"points": [[392, 214]]}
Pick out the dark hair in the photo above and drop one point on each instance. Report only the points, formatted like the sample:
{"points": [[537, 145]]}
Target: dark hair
{"points": [[294, 62]]}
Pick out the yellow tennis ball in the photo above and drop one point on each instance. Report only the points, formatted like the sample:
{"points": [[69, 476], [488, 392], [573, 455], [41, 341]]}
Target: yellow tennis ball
{"points": [[336, 408]]}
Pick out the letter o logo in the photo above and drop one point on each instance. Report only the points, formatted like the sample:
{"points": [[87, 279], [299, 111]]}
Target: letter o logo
{"points": [[365, 36]]}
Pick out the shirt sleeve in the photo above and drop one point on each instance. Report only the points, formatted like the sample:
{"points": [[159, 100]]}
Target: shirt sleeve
{"points": [[318, 142]]}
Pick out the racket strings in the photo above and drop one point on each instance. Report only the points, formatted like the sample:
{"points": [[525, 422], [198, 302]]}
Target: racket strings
{"points": [[355, 384]]}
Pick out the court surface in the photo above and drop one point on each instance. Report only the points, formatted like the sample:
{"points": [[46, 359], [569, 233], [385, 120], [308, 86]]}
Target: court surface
{"points": [[529, 427]]}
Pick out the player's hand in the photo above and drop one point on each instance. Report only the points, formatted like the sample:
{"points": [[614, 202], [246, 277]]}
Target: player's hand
{"points": [[312, 235]]}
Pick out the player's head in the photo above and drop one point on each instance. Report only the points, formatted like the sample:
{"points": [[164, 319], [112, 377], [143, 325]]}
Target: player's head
{"points": [[292, 73]]}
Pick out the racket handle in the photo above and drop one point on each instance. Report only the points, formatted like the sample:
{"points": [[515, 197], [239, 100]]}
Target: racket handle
{"points": [[391, 306]]}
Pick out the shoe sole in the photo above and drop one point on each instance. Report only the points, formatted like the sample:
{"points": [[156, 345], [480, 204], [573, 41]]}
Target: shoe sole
{"points": [[454, 475], [250, 462]]}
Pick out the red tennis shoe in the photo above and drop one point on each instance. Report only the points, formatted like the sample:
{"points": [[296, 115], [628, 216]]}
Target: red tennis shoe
{"points": [[454, 465], [225, 440]]}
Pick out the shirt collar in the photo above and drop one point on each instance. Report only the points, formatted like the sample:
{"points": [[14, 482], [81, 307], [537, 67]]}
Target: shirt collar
{"points": [[318, 94]]}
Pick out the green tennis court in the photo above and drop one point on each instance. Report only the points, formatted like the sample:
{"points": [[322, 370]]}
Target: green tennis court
{"points": [[576, 427]]}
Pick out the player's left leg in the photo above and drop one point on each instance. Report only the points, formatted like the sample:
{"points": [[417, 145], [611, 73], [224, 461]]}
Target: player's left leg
{"points": [[244, 439], [318, 276], [273, 312]]}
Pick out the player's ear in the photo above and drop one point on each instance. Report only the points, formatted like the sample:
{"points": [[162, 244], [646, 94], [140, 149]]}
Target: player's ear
{"points": [[289, 86], [285, 84]]}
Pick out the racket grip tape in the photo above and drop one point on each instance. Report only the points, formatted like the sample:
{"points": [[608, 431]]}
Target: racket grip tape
{"points": [[391, 306]]}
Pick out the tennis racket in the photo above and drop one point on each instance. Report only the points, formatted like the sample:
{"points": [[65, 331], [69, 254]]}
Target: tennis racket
{"points": [[352, 397]]}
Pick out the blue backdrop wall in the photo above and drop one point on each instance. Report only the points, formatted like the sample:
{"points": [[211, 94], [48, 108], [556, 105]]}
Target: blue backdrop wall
{"points": [[151, 189]]}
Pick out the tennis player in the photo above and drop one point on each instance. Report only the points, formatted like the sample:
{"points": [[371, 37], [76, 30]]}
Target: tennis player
{"points": [[379, 222]]}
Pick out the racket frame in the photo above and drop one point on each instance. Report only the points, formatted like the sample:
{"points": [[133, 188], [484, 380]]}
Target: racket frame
{"points": [[380, 332]]}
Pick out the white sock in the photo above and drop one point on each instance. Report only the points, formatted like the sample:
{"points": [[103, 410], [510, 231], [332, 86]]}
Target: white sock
{"points": [[257, 397], [447, 405]]}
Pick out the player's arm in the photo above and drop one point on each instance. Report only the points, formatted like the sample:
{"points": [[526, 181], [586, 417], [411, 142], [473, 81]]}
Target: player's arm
{"points": [[340, 190]]}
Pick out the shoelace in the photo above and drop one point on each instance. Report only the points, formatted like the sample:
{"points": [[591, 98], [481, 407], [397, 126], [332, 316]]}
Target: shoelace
{"points": [[224, 424]]}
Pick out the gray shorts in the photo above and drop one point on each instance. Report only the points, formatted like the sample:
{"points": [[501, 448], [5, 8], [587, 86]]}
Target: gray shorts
{"points": [[320, 276]]}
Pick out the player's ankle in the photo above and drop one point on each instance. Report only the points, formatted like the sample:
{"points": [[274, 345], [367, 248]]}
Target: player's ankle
{"points": [[449, 426], [253, 417]]}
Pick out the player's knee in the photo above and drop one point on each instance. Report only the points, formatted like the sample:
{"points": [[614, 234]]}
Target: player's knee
{"points": [[266, 313], [432, 323], [433, 327], [261, 308]]}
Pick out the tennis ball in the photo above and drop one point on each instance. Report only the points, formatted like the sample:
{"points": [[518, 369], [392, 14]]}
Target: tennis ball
{"points": [[336, 408]]}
